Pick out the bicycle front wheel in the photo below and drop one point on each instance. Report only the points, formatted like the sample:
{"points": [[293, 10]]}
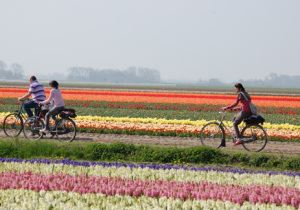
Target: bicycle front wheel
{"points": [[32, 127], [13, 125], [254, 138], [66, 129], [212, 135]]}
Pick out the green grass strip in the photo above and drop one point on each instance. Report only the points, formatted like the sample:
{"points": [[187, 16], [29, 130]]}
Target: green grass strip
{"points": [[92, 151]]}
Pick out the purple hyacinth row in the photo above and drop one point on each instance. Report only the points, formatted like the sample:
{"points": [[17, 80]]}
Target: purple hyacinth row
{"points": [[148, 165]]}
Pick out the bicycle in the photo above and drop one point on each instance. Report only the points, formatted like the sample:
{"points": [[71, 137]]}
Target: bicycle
{"points": [[63, 128], [33, 125], [13, 123], [253, 135]]}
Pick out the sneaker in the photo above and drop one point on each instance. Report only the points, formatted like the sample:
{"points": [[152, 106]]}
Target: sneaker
{"points": [[31, 119], [238, 142], [44, 130]]}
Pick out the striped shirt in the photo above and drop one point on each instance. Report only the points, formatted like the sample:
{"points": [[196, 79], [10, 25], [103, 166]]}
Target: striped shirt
{"points": [[37, 91]]}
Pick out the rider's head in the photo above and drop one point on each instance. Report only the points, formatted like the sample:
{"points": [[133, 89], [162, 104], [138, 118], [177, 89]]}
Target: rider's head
{"points": [[54, 84], [32, 79], [239, 87]]}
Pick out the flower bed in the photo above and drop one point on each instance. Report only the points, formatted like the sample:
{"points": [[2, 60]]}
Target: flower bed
{"points": [[169, 127], [97, 184], [155, 97]]}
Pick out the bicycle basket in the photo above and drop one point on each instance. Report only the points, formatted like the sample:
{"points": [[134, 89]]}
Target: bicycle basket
{"points": [[68, 113], [254, 119]]}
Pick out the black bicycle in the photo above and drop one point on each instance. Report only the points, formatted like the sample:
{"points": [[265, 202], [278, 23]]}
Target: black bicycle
{"points": [[14, 122], [62, 127], [253, 135]]}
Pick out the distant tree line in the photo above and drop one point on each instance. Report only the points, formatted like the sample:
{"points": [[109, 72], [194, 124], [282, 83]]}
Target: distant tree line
{"points": [[273, 80], [211, 82], [130, 75], [13, 72]]}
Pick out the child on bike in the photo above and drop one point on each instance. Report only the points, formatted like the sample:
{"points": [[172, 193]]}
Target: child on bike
{"points": [[58, 104], [245, 110]]}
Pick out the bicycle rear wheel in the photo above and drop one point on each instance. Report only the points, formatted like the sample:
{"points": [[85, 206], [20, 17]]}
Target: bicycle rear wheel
{"points": [[66, 129], [212, 135], [32, 127], [254, 138], [13, 125]]}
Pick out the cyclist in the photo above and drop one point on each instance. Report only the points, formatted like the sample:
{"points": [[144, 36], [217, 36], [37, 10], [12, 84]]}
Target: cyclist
{"points": [[245, 111], [58, 104], [37, 93]]}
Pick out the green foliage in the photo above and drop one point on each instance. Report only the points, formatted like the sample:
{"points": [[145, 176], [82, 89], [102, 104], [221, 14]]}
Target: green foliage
{"points": [[141, 153]]}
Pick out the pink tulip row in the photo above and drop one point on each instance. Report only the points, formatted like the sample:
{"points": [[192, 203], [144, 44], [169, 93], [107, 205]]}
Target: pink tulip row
{"points": [[170, 189]]}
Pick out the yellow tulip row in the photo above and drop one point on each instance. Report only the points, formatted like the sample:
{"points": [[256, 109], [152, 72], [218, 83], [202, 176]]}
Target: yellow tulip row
{"points": [[286, 131]]}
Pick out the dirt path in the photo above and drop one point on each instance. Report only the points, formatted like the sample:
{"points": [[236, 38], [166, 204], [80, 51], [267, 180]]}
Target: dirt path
{"points": [[272, 147]]}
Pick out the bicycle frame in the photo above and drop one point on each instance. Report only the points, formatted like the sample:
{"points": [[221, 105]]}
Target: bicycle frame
{"points": [[223, 114], [20, 111], [227, 130]]}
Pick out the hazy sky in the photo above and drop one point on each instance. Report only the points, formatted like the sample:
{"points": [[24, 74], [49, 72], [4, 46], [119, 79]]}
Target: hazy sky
{"points": [[184, 39]]}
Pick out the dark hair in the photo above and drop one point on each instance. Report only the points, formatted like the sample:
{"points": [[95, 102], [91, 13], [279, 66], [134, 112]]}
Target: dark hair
{"points": [[54, 84], [33, 78], [239, 86]]}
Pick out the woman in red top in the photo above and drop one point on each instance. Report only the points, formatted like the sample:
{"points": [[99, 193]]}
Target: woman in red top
{"points": [[245, 111]]}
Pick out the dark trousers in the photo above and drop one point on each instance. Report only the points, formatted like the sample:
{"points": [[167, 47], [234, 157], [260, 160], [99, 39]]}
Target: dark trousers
{"points": [[237, 120], [29, 105], [52, 112]]}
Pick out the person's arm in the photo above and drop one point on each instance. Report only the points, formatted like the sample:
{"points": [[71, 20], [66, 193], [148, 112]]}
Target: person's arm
{"points": [[48, 100], [27, 95], [24, 96], [233, 105]]}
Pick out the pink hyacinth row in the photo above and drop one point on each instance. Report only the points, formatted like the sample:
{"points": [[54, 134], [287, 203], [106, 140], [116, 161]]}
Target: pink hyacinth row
{"points": [[170, 189]]}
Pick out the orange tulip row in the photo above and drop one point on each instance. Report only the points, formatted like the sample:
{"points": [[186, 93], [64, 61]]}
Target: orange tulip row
{"points": [[155, 97]]}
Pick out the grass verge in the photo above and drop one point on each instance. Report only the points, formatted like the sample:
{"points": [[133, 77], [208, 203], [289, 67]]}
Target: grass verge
{"points": [[140, 153]]}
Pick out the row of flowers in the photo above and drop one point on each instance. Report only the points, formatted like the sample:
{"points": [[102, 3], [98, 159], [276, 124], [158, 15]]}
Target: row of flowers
{"points": [[67, 162], [144, 172], [155, 97], [160, 106], [49, 182], [175, 107], [28, 199], [285, 131]]}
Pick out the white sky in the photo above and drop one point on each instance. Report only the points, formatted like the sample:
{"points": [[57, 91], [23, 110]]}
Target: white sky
{"points": [[184, 39]]}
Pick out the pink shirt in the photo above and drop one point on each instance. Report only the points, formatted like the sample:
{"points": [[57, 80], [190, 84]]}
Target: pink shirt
{"points": [[56, 98], [245, 101]]}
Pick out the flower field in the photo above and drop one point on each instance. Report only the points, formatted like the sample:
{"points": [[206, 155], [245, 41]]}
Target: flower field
{"points": [[164, 113], [68, 184], [155, 97], [44, 184]]}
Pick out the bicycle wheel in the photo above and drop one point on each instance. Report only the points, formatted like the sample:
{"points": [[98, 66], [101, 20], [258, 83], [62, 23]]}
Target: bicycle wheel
{"points": [[212, 135], [254, 137], [13, 125], [65, 129], [32, 127]]}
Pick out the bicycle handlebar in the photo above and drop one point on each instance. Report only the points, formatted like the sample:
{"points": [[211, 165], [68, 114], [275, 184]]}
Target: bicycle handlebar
{"points": [[23, 100], [223, 114]]}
